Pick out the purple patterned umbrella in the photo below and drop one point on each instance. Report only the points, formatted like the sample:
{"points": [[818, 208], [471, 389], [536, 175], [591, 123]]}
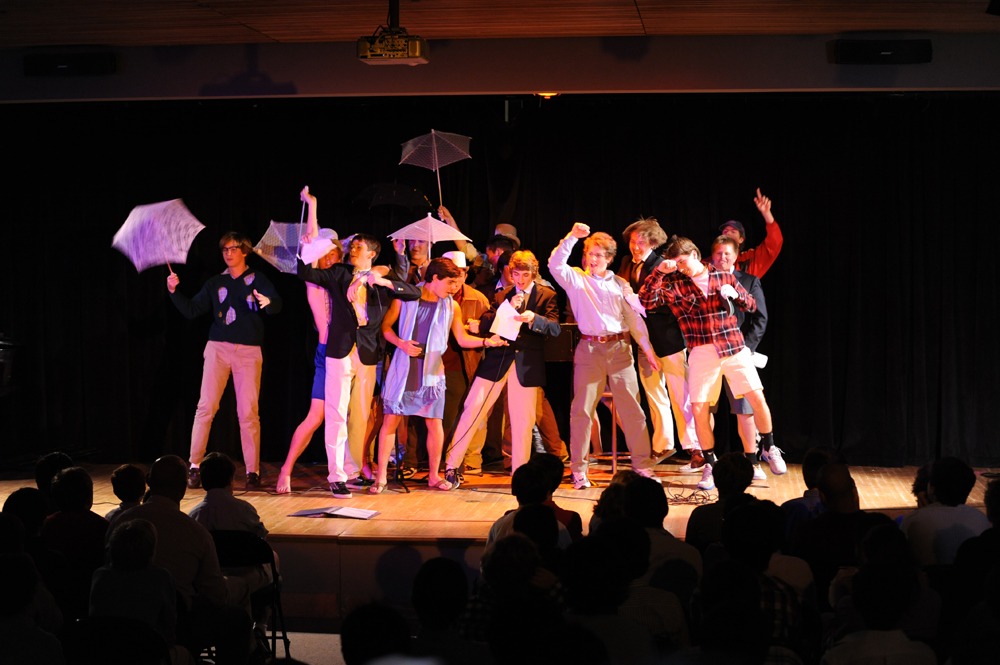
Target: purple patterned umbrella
{"points": [[434, 150], [157, 234]]}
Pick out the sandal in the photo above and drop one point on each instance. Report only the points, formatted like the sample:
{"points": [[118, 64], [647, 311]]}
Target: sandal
{"points": [[376, 488], [441, 485]]}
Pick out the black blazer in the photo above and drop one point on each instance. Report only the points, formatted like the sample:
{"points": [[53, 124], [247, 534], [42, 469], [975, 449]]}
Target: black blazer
{"points": [[752, 324], [344, 330], [664, 332], [529, 348]]}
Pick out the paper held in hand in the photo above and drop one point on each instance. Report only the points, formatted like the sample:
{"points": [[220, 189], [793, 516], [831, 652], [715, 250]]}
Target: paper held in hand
{"points": [[759, 360], [504, 324], [315, 250]]}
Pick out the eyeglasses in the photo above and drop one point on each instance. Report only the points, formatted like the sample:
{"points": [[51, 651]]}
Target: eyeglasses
{"points": [[230, 250]]}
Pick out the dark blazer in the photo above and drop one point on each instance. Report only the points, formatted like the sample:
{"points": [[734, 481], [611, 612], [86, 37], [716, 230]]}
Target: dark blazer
{"points": [[664, 332], [529, 348], [752, 324], [344, 330]]}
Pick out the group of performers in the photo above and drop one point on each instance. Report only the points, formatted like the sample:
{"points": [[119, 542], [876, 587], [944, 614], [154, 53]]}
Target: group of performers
{"points": [[696, 319]]}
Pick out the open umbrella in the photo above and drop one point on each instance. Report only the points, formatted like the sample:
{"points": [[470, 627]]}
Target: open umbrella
{"points": [[434, 150], [429, 230], [279, 246], [157, 234]]}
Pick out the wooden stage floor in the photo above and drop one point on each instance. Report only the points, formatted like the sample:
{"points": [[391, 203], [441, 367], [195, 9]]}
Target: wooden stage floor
{"points": [[466, 514]]}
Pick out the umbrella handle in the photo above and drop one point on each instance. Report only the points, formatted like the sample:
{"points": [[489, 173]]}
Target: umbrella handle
{"points": [[165, 256], [437, 169], [440, 198], [298, 239]]}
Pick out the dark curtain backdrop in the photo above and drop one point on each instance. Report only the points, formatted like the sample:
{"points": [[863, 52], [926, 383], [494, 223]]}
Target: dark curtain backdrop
{"points": [[882, 333]]}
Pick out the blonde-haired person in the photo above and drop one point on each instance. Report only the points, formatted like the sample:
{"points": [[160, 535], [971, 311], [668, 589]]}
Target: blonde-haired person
{"points": [[519, 366], [604, 355]]}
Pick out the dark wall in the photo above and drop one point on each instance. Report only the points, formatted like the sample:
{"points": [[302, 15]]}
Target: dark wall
{"points": [[882, 322]]}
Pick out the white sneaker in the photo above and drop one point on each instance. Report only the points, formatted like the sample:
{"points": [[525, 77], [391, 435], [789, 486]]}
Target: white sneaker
{"points": [[773, 459], [707, 481], [646, 473], [580, 481], [696, 463], [758, 473]]}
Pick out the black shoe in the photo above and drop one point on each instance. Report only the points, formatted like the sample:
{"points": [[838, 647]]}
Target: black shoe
{"points": [[253, 480], [360, 481], [194, 478], [340, 491]]}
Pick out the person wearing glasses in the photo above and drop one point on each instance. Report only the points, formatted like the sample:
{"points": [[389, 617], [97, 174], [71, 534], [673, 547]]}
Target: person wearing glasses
{"points": [[236, 299]]}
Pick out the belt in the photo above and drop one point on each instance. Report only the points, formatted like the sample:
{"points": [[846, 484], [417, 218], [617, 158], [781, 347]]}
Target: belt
{"points": [[604, 338]]}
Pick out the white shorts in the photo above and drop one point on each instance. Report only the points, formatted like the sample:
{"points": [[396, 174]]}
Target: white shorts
{"points": [[706, 369]]}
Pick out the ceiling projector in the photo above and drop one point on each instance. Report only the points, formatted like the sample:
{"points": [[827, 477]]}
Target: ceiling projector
{"points": [[393, 46]]}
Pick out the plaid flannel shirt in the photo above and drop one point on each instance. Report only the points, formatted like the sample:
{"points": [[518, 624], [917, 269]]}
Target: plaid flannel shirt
{"points": [[702, 320]]}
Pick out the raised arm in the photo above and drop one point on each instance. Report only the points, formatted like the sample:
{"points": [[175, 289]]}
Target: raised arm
{"points": [[463, 246], [656, 290], [312, 226], [564, 275], [759, 259]]}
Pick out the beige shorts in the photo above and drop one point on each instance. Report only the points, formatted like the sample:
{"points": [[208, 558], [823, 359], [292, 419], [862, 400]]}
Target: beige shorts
{"points": [[706, 369]]}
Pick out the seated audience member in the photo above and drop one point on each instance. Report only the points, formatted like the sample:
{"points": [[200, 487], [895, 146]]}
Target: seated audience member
{"points": [[570, 519], [730, 597], [733, 475], [23, 641], [216, 608], [611, 503], [371, 632], [808, 505], [440, 594], [596, 606], [131, 587], [31, 506], [46, 469], [539, 524], [646, 503], [220, 510], [976, 639], [659, 610], [749, 536], [937, 530], [129, 484], [882, 592], [977, 556], [826, 542], [42, 609], [77, 533], [531, 486]]}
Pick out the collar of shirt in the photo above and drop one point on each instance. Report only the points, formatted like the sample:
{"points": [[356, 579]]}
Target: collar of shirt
{"points": [[501, 284], [526, 292], [644, 257]]}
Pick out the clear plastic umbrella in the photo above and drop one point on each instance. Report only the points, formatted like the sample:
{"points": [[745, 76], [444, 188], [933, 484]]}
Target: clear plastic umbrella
{"points": [[157, 234], [434, 150], [429, 230], [279, 246]]}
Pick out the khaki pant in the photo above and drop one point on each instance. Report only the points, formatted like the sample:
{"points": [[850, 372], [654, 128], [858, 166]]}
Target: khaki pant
{"points": [[349, 387], [596, 364], [244, 362], [667, 390]]}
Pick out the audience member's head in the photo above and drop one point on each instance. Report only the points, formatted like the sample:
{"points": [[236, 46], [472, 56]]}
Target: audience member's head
{"points": [[882, 592], [73, 490], [730, 596], [611, 503], [18, 579], [217, 471], [168, 477], [886, 543], [630, 543], [951, 481], [837, 490], [11, 534], [440, 592], [733, 474], [132, 545], [553, 468], [48, 466], [992, 501], [371, 632], [646, 503], [753, 532], [814, 460], [509, 564], [530, 485], [30, 506], [590, 559], [128, 483], [920, 482], [538, 522]]}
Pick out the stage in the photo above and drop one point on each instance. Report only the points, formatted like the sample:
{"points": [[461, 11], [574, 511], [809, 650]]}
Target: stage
{"points": [[331, 565]]}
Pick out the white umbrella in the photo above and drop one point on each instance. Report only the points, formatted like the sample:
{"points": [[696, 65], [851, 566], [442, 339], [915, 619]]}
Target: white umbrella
{"points": [[157, 234], [434, 150], [429, 230]]}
